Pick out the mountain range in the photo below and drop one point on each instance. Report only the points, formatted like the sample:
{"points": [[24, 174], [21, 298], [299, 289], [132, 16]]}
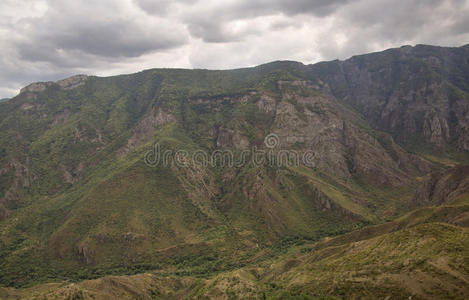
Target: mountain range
{"points": [[337, 179]]}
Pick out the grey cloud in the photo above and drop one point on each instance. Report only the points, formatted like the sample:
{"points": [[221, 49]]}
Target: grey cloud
{"points": [[214, 31], [114, 38], [461, 27], [211, 31], [461, 23]]}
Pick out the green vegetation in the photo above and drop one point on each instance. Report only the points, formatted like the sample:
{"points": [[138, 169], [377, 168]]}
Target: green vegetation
{"points": [[423, 257]]}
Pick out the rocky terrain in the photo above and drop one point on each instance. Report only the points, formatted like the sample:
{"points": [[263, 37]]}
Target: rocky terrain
{"points": [[363, 164]]}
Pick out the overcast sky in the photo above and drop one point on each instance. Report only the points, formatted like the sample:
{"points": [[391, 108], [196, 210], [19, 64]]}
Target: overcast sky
{"points": [[44, 40]]}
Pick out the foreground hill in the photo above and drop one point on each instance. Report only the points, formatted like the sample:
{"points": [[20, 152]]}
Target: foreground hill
{"points": [[422, 255], [204, 173]]}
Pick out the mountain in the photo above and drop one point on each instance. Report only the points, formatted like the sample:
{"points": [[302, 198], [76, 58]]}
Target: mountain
{"points": [[259, 174], [4, 99]]}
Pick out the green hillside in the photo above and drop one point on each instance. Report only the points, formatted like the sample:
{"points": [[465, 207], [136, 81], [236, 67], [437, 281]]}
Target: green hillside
{"points": [[423, 255]]}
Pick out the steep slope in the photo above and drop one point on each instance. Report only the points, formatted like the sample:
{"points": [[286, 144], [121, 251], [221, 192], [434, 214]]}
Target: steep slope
{"points": [[289, 155], [419, 94]]}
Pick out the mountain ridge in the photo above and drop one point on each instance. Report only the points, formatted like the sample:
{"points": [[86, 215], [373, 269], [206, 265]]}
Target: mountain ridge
{"points": [[251, 67]]}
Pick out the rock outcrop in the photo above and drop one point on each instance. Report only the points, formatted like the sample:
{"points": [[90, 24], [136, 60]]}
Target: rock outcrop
{"points": [[66, 84], [443, 187]]}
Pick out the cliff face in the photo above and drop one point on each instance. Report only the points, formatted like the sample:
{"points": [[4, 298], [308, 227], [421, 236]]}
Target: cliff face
{"points": [[415, 93]]}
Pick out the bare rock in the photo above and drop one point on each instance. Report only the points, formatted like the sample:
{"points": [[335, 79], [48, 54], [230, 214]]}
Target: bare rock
{"points": [[436, 130], [145, 129], [84, 253], [35, 87], [72, 82], [266, 104], [229, 138]]}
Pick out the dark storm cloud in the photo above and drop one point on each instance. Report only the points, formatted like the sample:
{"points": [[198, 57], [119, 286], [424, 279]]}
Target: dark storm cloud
{"points": [[51, 39]]}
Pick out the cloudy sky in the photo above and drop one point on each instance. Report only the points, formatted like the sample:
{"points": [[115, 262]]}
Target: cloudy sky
{"points": [[44, 40]]}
